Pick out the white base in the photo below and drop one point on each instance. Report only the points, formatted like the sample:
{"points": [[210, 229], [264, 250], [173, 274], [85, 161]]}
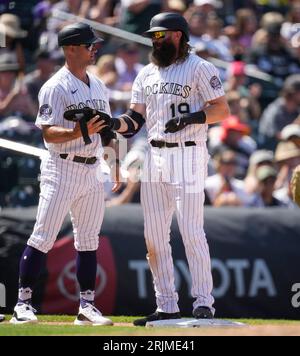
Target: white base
{"points": [[89, 323], [194, 323], [2, 317]]}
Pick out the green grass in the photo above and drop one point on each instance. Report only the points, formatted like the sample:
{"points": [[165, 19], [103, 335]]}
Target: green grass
{"points": [[43, 328]]}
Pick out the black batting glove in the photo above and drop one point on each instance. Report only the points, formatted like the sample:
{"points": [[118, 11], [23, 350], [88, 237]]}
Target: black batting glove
{"points": [[175, 125], [179, 123]]}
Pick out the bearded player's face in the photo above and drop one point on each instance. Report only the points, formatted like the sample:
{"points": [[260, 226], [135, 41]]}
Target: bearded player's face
{"points": [[164, 49]]}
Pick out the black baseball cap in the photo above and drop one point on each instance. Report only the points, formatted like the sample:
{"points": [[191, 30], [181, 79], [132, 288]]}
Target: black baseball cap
{"points": [[77, 34]]}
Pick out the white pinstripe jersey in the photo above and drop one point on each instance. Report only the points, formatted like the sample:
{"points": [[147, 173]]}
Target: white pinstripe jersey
{"points": [[177, 89], [64, 92]]}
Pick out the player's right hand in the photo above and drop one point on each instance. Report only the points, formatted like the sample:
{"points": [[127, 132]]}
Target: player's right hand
{"points": [[95, 126]]}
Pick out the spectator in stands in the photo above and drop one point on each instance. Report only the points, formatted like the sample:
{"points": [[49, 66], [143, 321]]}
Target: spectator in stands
{"points": [[178, 6], [128, 66], [13, 33], [208, 7], [285, 195], [216, 41], [41, 12], [14, 96], [233, 135], [246, 25], [136, 14], [237, 50], [280, 113], [272, 5], [23, 10], [232, 6], [223, 189], [197, 21], [287, 157], [237, 78], [250, 94], [46, 39], [235, 104], [292, 21], [74, 7], [99, 11], [106, 70], [46, 63], [291, 133], [295, 186], [260, 36], [266, 177], [258, 159], [273, 56]]}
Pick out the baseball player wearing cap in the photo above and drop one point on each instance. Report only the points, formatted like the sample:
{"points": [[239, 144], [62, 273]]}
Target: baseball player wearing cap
{"points": [[69, 181], [177, 95]]}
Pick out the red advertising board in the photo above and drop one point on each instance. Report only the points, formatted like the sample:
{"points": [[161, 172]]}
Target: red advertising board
{"points": [[62, 290]]}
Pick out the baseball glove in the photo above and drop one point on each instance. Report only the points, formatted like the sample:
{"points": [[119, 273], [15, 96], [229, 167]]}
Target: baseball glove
{"points": [[84, 115], [295, 185]]}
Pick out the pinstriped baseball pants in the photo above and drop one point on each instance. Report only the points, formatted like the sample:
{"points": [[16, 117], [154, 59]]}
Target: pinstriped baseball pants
{"points": [[173, 181], [68, 187]]}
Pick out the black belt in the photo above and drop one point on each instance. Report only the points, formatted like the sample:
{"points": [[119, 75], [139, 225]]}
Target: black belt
{"points": [[78, 159], [163, 144]]}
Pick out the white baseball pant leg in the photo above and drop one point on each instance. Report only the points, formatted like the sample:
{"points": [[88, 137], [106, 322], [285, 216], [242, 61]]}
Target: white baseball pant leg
{"points": [[65, 188]]}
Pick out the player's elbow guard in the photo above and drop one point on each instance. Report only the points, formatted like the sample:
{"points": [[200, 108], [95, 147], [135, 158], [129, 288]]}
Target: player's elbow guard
{"points": [[134, 121]]}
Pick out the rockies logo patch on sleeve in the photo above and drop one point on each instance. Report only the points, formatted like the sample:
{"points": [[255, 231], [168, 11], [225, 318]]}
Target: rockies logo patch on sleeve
{"points": [[215, 83], [45, 110]]}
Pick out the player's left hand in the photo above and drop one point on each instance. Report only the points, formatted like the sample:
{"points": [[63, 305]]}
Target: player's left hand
{"points": [[176, 124], [116, 187]]}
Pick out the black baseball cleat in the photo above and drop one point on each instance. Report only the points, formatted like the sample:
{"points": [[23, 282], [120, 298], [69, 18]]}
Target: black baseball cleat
{"points": [[203, 313], [156, 316]]}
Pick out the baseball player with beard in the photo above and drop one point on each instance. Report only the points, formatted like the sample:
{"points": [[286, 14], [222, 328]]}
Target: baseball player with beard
{"points": [[178, 94], [69, 181]]}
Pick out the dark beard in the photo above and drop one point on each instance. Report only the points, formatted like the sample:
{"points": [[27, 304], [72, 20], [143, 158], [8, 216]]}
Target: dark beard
{"points": [[163, 56]]}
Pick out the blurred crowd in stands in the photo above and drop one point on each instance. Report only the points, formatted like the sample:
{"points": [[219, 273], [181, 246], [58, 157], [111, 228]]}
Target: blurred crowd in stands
{"points": [[254, 43]]}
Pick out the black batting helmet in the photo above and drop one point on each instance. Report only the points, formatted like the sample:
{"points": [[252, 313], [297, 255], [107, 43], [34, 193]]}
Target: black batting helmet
{"points": [[76, 34], [168, 21]]}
